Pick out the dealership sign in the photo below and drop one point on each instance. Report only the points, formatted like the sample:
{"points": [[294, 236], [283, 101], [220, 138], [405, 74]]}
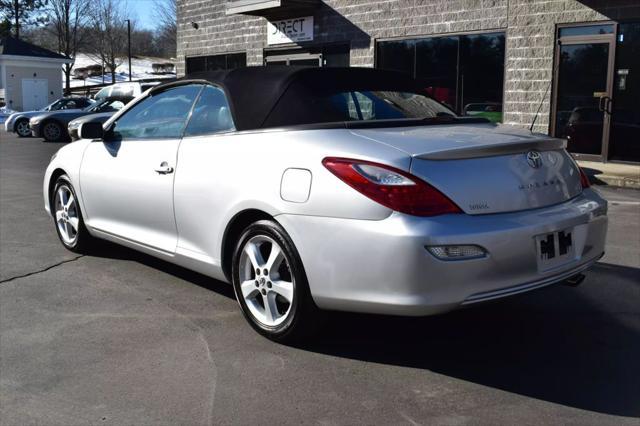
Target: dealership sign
{"points": [[290, 30]]}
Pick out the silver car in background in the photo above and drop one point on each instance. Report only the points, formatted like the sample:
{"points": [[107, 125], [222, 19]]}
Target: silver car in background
{"points": [[328, 189], [18, 122]]}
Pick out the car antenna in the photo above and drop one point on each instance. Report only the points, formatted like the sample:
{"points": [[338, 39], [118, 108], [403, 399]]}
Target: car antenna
{"points": [[553, 74]]}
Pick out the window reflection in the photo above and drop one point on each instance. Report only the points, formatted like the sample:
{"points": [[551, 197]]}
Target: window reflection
{"points": [[216, 62], [465, 72]]}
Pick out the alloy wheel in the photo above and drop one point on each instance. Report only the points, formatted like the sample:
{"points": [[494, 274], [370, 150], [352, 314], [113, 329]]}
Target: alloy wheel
{"points": [[267, 286], [22, 128], [51, 132], [67, 218]]}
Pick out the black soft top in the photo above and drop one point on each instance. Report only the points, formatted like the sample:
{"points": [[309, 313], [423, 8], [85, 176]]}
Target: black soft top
{"points": [[254, 93]]}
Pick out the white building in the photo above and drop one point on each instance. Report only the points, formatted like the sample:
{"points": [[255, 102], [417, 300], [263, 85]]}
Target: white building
{"points": [[30, 76]]}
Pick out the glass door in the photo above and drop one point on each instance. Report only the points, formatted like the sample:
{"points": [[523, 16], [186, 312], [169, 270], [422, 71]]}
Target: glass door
{"points": [[624, 138], [582, 108]]}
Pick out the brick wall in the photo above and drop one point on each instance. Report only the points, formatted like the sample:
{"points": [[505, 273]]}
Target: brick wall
{"points": [[530, 26], [530, 50], [358, 22]]}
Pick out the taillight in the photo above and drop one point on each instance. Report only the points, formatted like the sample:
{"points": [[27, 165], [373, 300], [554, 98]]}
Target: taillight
{"points": [[584, 179], [391, 187]]}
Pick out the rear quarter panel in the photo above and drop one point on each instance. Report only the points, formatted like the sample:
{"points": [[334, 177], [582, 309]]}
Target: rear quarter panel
{"points": [[219, 176]]}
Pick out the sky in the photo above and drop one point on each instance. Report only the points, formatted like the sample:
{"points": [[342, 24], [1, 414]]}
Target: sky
{"points": [[143, 11]]}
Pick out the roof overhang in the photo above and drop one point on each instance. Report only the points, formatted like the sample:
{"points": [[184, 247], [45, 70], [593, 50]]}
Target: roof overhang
{"points": [[271, 9], [38, 59]]}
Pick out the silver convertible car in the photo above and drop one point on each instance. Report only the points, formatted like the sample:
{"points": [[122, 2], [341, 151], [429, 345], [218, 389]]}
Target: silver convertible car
{"points": [[328, 189]]}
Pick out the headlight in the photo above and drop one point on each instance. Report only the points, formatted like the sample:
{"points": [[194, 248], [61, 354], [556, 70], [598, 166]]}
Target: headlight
{"points": [[73, 125], [34, 121]]}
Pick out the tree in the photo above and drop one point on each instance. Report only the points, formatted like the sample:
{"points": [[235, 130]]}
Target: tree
{"points": [[66, 19], [22, 13], [166, 14], [109, 35], [5, 28]]}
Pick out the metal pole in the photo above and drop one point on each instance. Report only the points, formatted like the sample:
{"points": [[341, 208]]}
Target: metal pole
{"points": [[129, 42]]}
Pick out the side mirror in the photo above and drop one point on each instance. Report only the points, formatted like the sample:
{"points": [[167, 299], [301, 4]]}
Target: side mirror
{"points": [[91, 130]]}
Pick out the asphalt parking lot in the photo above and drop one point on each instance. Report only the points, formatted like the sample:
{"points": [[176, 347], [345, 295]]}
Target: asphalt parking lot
{"points": [[121, 338]]}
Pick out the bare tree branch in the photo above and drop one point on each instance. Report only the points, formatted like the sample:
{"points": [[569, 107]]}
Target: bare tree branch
{"points": [[108, 20], [166, 13], [66, 17]]}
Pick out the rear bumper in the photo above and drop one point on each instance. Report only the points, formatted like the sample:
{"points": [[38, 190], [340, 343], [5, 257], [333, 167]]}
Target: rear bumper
{"points": [[383, 266]]}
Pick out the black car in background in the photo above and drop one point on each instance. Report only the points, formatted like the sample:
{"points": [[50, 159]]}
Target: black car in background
{"points": [[52, 126]]}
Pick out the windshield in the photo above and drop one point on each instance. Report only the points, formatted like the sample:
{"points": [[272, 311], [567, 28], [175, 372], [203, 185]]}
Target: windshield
{"points": [[106, 105], [95, 107], [54, 106]]}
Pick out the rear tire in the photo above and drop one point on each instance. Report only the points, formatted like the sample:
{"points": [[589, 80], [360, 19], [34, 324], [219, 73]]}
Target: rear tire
{"points": [[270, 284], [67, 218], [22, 128]]}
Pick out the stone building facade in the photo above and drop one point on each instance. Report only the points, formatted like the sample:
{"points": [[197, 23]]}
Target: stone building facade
{"points": [[523, 34]]}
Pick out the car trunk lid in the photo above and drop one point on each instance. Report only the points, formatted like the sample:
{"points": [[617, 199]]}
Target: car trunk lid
{"points": [[485, 168]]}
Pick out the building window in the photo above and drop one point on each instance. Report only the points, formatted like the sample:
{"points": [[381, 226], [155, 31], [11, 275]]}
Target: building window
{"points": [[333, 55], [225, 61], [465, 72]]}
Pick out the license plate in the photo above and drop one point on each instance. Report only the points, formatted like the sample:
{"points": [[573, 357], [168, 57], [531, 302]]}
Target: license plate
{"points": [[554, 248]]}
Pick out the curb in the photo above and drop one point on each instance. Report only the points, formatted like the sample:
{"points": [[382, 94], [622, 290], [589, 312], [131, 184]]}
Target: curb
{"points": [[617, 181], [612, 174]]}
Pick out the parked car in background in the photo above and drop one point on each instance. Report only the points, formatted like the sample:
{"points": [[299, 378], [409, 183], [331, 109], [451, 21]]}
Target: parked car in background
{"points": [[129, 88], [336, 188], [492, 111], [19, 122], [52, 126]]}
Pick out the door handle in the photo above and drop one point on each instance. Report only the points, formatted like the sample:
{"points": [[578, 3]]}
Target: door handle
{"points": [[164, 168], [604, 104], [601, 103], [607, 106]]}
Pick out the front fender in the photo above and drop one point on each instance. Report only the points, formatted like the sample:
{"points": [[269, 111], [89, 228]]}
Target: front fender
{"points": [[66, 161]]}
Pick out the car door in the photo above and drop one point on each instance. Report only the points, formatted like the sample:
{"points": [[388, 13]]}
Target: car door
{"points": [[199, 196], [127, 179]]}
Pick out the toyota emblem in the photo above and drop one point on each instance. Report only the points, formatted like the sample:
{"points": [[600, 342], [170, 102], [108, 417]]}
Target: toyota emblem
{"points": [[534, 159]]}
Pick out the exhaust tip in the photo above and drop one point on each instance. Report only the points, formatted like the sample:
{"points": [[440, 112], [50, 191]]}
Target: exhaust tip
{"points": [[575, 280]]}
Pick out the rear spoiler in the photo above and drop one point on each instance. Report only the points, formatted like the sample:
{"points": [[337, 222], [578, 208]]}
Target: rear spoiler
{"points": [[494, 150]]}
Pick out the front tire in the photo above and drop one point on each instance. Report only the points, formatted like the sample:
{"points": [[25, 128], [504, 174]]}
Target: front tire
{"points": [[270, 284], [67, 217], [52, 132], [22, 128]]}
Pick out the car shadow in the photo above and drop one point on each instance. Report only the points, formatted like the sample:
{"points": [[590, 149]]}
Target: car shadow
{"points": [[109, 250], [62, 142], [556, 344]]}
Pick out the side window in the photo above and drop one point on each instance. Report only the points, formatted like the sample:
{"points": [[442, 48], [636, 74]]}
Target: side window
{"points": [[366, 106], [70, 105], [160, 116], [211, 113]]}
